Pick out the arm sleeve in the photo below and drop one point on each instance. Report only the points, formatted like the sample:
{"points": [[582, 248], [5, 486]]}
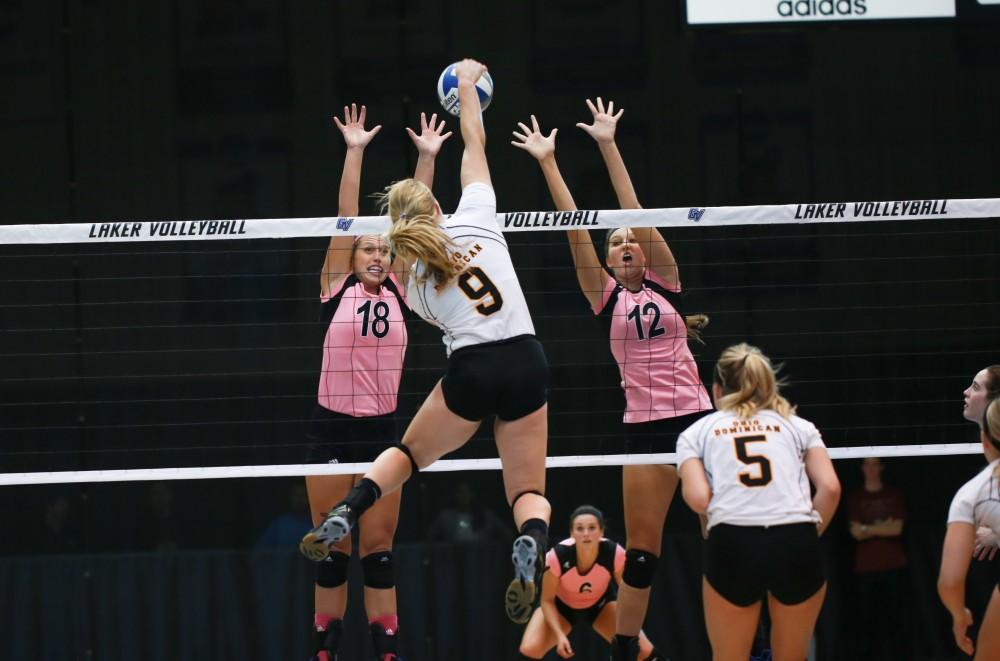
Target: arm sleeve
{"points": [[480, 200], [963, 505], [688, 446], [810, 436]]}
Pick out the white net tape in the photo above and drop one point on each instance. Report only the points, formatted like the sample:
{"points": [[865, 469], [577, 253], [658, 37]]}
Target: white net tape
{"points": [[446, 465], [526, 221], [682, 217]]}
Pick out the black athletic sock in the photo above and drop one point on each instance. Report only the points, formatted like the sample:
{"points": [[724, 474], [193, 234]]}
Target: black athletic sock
{"points": [[625, 648], [539, 531], [362, 496]]}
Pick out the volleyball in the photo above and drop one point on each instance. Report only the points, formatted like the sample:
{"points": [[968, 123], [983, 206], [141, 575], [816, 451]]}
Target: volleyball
{"points": [[447, 89]]}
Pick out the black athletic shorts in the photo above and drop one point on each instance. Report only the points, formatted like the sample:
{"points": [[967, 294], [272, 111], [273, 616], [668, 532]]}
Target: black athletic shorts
{"points": [[744, 563], [658, 435], [586, 616], [508, 379], [337, 438]]}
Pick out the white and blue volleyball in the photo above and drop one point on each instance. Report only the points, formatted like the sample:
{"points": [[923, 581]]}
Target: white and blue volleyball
{"points": [[448, 89]]}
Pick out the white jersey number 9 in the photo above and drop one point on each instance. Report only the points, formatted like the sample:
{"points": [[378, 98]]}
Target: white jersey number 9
{"points": [[475, 284]]}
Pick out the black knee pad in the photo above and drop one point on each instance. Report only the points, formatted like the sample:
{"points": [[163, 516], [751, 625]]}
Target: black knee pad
{"points": [[640, 566], [409, 455], [332, 572], [378, 570]]}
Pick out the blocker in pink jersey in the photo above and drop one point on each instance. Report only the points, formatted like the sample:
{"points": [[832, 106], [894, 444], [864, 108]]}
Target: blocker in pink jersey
{"points": [[362, 311], [649, 341], [636, 292], [364, 348]]}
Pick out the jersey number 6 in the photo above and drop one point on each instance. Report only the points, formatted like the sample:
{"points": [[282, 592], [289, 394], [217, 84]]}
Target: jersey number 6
{"points": [[763, 463], [484, 288]]}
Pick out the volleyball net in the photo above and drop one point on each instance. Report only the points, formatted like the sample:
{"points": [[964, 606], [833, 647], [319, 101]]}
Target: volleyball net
{"points": [[191, 349]]}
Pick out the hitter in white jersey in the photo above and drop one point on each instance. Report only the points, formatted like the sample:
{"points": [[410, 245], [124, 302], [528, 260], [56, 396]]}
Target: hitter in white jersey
{"points": [[463, 282], [748, 467], [976, 505]]}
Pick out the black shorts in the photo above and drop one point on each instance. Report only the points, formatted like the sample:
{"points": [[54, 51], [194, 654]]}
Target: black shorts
{"points": [[508, 379], [586, 616], [744, 563], [338, 438], [658, 435]]}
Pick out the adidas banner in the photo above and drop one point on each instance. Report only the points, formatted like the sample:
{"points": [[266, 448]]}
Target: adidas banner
{"points": [[708, 12]]}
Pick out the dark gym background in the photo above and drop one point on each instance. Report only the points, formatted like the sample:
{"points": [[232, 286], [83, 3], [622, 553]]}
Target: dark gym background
{"points": [[206, 353]]}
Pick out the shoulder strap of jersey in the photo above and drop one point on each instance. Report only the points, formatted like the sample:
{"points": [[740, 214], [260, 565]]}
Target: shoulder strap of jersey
{"points": [[673, 297], [566, 555], [328, 308], [390, 284], [605, 314], [606, 555]]}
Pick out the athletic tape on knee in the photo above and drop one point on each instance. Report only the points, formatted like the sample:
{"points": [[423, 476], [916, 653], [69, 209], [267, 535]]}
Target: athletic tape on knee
{"points": [[378, 568], [640, 566], [332, 572], [409, 455]]}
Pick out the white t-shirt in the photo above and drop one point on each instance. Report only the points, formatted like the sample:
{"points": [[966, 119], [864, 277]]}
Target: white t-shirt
{"points": [[978, 501], [485, 303], [755, 467]]}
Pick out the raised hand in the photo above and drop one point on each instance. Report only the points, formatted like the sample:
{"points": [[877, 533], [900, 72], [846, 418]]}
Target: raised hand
{"points": [[429, 141], [353, 127], [470, 70], [532, 141], [605, 121]]}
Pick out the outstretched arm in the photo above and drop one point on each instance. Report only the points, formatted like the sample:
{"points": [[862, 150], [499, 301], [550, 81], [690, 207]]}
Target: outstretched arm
{"points": [[591, 276], [428, 144], [337, 264], [474, 165], [602, 130]]}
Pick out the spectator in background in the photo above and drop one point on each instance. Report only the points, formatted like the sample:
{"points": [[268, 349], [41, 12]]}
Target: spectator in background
{"points": [[876, 513], [467, 520]]}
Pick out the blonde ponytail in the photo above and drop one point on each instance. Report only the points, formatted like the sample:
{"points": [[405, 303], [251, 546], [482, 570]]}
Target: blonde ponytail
{"points": [[991, 422], [416, 235], [748, 383]]}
